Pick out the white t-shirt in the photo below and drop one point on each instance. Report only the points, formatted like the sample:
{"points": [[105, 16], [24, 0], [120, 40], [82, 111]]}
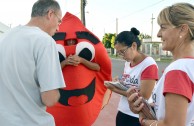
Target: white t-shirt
{"points": [[29, 65], [132, 76], [178, 78]]}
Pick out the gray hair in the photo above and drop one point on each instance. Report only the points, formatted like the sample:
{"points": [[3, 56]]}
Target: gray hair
{"points": [[178, 14], [41, 7]]}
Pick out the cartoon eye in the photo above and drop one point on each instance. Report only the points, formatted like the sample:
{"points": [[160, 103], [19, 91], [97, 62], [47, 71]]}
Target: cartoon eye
{"points": [[61, 51], [85, 50]]}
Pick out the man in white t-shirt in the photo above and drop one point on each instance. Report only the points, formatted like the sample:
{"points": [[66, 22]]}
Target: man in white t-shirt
{"points": [[30, 70]]}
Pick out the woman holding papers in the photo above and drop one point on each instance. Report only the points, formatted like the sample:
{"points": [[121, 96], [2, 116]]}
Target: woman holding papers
{"points": [[140, 71]]}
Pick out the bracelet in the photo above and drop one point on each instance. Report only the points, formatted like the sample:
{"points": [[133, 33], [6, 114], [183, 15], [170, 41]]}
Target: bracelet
{"points": [[153, 123]]}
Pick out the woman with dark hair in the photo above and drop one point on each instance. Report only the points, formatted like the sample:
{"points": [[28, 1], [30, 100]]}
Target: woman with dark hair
{"points": [[140, 71]]}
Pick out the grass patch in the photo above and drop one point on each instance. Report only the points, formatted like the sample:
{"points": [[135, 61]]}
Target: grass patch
{"points": [[165, 60], [114, 56]]}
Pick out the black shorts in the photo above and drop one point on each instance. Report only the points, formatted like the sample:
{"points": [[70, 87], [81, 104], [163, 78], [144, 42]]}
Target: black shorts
{"points": [[126, 120]]}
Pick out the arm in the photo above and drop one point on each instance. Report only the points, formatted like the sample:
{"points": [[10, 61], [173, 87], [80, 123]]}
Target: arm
{"points": [[176, 100], [50, 98], [146, 88], [173, 115], [64, 63], [148, 81], [77, 60], [90, 65], [116, 90]]}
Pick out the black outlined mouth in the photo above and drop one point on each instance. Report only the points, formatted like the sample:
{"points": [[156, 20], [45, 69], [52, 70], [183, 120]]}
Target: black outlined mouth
{"points": [[88, 92]]}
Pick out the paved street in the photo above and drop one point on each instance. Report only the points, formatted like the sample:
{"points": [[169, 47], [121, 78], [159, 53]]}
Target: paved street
{"points": [[108, 114]]}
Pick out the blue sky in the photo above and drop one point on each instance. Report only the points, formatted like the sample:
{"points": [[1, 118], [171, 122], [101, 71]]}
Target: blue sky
{"points": [[101, 14]]}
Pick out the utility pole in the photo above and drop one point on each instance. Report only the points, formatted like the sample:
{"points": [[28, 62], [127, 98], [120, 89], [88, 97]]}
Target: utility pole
{"points": [[116, 26], [152, 27], [116, 35], [83, 4]]}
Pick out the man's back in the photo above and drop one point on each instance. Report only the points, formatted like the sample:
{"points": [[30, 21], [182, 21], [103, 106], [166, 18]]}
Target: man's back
{"points": [[25, 54]]}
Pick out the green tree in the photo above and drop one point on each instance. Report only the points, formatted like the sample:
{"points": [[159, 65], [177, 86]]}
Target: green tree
{"points": [[113, 40], [144, 36], [108, 40]]}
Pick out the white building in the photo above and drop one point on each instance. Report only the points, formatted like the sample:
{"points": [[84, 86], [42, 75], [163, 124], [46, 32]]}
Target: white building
{"points": [[3, 28], [154, 49]]}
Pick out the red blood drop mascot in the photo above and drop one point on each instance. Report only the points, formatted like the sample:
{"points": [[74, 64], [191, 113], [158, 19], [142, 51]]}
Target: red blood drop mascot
{"points": [[81, 101]]}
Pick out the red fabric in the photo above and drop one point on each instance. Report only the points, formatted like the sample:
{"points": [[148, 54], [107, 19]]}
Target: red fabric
{"points": [[80, 112], [151, 72], [178, 82]]}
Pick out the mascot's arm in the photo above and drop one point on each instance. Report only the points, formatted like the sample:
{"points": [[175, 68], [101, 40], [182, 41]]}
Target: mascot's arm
{"points": [[64, 63], [91, 65], [75, 60]]}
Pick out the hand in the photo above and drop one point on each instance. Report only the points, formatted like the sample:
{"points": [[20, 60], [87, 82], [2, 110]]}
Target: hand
{"points": [[69, 60], [65, 62], [75, 59], [134, 100], [110, 86]]}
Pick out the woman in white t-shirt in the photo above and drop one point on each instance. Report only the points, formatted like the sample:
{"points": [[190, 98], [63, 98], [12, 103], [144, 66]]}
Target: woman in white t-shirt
{"points": [[173, 95], [140, 71]]}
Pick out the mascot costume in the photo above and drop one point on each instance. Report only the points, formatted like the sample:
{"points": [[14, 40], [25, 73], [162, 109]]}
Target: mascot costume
{"points": [[83, 98]]}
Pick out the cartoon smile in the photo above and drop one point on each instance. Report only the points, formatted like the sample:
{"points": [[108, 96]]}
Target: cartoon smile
{"points": [[77, 97]]}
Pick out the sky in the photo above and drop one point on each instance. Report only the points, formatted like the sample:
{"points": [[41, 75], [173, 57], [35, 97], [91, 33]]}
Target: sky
{"points": [[100, 15]]}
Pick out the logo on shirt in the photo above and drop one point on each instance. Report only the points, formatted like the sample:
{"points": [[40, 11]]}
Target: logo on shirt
{"points": [[128, 80]]}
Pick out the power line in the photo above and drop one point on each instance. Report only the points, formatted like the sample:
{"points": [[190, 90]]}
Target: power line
{"points": [[137, 11]]}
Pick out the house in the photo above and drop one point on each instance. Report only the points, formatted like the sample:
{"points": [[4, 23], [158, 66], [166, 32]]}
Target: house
{"points": [[154, 49]]}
